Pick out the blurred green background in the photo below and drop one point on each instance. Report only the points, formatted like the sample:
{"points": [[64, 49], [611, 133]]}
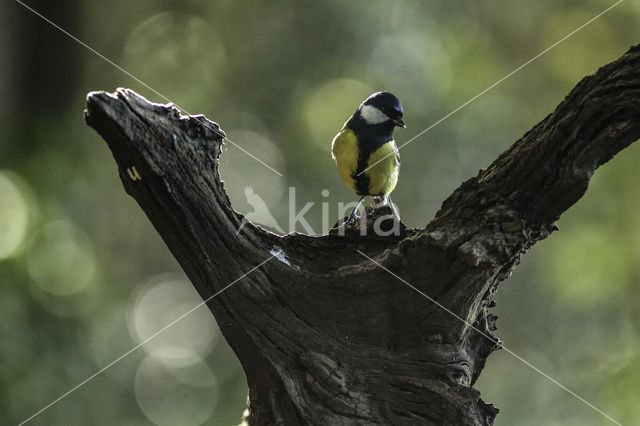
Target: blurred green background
{"points": [[84, 276]]}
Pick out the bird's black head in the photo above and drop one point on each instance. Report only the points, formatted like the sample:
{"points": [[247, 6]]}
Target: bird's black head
{"points": [[381, 107]]}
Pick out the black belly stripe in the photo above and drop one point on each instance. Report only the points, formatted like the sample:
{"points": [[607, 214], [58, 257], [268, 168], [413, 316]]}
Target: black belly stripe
{"points": [[362, 180], [370, 138]]}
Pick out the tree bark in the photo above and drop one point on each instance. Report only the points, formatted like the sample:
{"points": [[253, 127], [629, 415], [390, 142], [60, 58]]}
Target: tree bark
{"points": [[325, 335]]}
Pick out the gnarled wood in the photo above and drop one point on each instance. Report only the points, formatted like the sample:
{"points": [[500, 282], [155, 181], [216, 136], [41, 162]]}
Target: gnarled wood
{"points": [[325, 335]]}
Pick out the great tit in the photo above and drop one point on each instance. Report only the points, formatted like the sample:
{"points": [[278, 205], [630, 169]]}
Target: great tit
{"points": [[367, 156]]}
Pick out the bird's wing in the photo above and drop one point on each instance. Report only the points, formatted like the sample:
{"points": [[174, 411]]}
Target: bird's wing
{"points": [[344, 150]]}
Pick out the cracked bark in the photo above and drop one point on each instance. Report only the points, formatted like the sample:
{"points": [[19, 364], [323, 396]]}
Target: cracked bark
{"points": [[324, 335]]}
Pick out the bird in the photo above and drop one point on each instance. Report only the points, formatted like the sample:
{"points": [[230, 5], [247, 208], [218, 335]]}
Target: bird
{"points": [[365, 151]]}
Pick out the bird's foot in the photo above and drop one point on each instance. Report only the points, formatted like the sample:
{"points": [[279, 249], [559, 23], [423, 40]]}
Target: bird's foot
{"points": [[352, 218], [347, 221]]}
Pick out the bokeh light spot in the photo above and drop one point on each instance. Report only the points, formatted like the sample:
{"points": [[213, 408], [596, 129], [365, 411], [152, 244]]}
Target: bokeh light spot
{"points": [[185, 395], [164, 299], [412, 63], [14, 215], [61, 259], [179, 52], [328, 106]]}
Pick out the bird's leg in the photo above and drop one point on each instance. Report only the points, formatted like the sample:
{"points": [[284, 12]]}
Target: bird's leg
{"points": [[393, 209], [353, 216], [379, 201]]}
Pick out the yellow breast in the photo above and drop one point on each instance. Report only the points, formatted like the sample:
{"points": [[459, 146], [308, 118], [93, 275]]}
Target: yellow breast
{"points": [[344, 150], [384, 166]]}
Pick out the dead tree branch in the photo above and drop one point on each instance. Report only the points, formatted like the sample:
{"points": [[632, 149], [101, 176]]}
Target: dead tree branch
{"points": [[326, 336]]}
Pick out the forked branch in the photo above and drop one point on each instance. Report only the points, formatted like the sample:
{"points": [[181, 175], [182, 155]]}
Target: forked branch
{"points": [[325, 335]]}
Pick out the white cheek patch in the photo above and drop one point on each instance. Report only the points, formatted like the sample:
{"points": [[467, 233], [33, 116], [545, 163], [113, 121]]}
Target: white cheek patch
{"points": [[373, 115]]}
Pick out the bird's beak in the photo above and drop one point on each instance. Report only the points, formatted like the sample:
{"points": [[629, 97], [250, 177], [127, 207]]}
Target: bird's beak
{"points": [[398, 122]]}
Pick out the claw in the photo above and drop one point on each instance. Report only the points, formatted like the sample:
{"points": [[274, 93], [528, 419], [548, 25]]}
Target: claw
{"points": [[352, 218]]}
